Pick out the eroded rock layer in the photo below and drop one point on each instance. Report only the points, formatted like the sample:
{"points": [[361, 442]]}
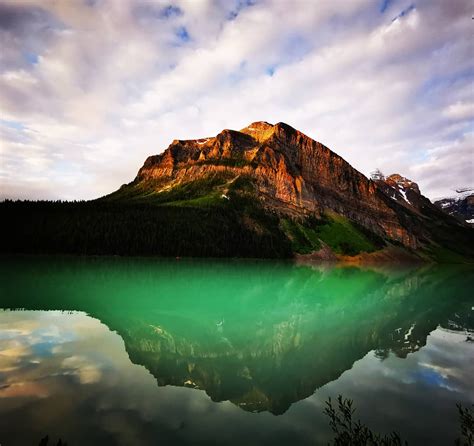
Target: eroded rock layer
{"points": [[294, 174]]}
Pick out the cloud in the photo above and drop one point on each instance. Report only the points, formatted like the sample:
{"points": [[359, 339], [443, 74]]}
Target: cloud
{"points": [[86, 371], [104, 84], [446, 166]]}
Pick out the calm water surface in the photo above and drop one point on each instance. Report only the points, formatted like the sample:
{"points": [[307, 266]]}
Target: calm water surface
{"points": [[144, 352]]}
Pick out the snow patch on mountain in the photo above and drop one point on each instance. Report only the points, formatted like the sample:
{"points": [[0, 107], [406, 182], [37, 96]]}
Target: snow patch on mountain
{"points": [[458, 194], [404, 195]]}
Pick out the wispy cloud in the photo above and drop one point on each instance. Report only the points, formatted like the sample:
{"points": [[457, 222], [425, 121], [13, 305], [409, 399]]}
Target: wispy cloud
{"points": [[88, 89]]}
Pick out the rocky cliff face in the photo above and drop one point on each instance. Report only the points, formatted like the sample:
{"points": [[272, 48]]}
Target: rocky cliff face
{"points": [[314, 199], [293, 174]]}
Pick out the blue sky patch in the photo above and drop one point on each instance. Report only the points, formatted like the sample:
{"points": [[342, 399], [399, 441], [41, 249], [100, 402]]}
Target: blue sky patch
{"points": [[31, 58], [12, 124], [182, 34], [384, 4], [171, 11], [43, 349], [430, 377], [431, 88], [149, 12], [270, 70], [240, 5], [239, 73], [405, 12], [296, 47]]}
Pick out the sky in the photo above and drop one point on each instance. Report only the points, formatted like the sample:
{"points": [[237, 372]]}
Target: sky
{"points": [[90, 88]]}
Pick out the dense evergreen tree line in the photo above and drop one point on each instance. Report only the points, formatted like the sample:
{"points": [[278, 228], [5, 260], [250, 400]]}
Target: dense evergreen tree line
{"points": [[118, 228]]}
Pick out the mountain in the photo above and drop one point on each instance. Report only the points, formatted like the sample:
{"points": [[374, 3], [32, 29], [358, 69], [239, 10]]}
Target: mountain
{"points": [[264, 191], [288, 172], [460, 206], [320, 200], [403, 191]]}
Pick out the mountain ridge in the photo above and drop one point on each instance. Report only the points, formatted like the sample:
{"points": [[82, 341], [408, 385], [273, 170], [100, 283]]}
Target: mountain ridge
{"points": [[294, 173], [460, 206], [266, 191], [294, 176]]}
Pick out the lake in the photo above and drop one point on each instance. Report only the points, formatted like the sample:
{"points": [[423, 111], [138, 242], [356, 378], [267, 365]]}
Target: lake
{"points": [[130, 351]]}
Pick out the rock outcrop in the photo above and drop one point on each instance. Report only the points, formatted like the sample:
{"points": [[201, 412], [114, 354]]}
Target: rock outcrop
{"points": [[404, 191], [294, 175]]}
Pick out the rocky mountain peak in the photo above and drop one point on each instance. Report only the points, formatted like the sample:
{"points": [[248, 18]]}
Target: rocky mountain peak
{"points": [[260, 130], [257, 126], [401, 189], [291, 174], [400, 182]]}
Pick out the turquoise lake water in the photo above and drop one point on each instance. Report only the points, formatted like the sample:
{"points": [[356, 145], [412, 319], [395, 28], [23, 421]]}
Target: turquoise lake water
{"points": [[114, 351]]}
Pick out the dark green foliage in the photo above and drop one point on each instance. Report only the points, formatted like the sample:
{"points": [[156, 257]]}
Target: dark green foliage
{"points": [[343, 236], [243, 184], [45, 442], [229, 162], [192, 219], [340, 234], [376, 240], [466, 419], [304, 239], [348, 432], [103, 227], [146, 192], [192, 190], [353, 433], [444, 255]]}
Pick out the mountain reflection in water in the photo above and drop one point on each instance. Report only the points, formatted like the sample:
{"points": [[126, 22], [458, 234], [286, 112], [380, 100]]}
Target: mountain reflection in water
{"points": [[262, 335]]}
